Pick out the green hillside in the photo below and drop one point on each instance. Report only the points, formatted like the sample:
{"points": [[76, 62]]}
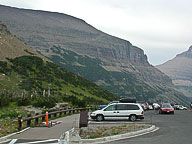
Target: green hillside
{"points": [[91, 68], [30, 80], [122, 83]]}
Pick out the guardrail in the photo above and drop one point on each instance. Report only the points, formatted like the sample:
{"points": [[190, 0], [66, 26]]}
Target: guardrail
{"points": [[38, 116]]}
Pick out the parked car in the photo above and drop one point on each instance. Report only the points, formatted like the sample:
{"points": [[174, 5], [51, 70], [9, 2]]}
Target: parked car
{"points": [[150, 107], [144, 105], [166, 108], [176, 107], [181, 107], [119, 111]]}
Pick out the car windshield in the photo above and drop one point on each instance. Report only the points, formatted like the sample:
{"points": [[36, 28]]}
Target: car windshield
{"points": [[111, 108], [166, 106]]}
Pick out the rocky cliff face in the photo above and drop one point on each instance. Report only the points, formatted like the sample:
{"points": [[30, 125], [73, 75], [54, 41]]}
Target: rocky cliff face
{"points": [[43, 30], [187, 54], [179, 69], [37, 28], [111, 62], [3, 29], [11, 46]]}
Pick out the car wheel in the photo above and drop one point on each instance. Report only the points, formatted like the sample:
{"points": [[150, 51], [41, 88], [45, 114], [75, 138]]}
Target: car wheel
{"points": [[99, 118], [133, 118]]}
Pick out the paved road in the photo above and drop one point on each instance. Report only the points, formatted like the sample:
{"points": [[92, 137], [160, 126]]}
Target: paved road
{"points": [[174, 129], [44, 135], [54, 132]]}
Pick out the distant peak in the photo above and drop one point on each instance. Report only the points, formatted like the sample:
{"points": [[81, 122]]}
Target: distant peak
{"points": [[190, 49], [187, 54]]}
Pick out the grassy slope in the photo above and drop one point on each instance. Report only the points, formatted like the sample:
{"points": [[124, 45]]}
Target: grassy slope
{"points": [[32, 74], [22, 76]]}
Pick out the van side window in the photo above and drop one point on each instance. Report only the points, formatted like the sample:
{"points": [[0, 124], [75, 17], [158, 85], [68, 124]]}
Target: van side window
{"points": [[122, 107], [110, 108], [132, 107]]}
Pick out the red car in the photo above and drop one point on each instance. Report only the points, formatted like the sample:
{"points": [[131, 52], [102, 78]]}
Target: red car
{"points": [[166, 108]]}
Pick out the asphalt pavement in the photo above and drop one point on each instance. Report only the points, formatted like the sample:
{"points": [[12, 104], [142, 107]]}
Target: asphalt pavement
{"points": [[174, 129], [54, 132]]}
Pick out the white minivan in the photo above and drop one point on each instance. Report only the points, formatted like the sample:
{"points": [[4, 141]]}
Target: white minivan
{"points": [[119, 111]]}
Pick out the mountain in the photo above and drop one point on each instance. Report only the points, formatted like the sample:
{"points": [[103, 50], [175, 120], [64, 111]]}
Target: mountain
{"points": [[179, 70], [29, 79], [10, 46], [112, 63]]}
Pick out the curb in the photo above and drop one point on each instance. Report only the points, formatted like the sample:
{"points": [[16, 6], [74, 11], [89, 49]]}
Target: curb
{"points": [[3, 139], [153, 128]]}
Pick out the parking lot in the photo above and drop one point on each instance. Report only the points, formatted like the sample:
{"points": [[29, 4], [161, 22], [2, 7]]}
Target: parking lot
{"points": [[174, 129]]}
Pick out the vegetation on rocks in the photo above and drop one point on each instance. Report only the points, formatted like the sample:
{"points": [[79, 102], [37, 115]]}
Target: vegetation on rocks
{"points": [[122, 83], [8, 118]]}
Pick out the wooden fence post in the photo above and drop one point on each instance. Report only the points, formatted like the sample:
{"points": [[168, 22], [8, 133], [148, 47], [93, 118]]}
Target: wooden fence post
{"points": [[29, 121], [20, 121], [37, 119], [60, 114], [43, 118], [55, 115], [49, 116]]}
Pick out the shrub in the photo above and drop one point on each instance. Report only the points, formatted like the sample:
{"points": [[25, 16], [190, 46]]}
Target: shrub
{"points": [[10, 114], [4, 100], [44, 102], [23, 101]]}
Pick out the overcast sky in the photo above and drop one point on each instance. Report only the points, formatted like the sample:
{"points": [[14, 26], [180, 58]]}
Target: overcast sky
{"points": [[162, 28]]}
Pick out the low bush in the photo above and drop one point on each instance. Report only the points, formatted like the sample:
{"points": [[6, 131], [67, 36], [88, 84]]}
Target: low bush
{"points": [[9, 114], [23, 101], [44, 102]]}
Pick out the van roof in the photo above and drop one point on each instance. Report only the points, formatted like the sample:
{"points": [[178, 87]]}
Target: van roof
{"points": [[123, 103]]}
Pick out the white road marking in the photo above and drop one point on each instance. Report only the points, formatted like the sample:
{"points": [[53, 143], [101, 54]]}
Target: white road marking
{"points": [[40, 141], [13, 141]]}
